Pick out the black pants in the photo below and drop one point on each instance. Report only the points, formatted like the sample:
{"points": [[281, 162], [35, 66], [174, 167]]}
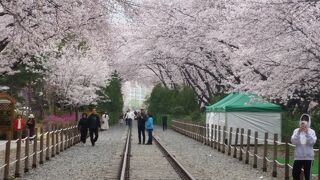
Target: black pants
{"points": [[296, 170], [141, 131], [149, 136], [83, 135], [130, 122], [95, 131], [164, 126]]}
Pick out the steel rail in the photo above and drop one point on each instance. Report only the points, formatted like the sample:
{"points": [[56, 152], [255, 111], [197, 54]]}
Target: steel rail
{"points": [[125, 162], [182, 172]]}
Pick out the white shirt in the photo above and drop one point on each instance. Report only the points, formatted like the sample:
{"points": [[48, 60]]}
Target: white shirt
{"points": [[130, 115], [19, 124]]}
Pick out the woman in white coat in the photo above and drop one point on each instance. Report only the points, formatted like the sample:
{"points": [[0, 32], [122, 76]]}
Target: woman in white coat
{"points": [[105, 122]]}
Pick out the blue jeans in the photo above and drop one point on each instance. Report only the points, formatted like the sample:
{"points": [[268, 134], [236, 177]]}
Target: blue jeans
{"points": [[149, 136]]}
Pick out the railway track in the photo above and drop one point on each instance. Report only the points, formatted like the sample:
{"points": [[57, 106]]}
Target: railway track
{"points": [[149, 161]]}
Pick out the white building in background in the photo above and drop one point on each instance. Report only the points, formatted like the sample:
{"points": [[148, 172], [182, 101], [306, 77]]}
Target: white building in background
{"points": [[135, 95]]}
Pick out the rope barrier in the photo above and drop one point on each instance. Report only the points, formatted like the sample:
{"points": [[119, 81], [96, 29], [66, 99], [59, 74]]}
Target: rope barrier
{"points": [[4, 143], [270, 140], [13, 162], [3, 166], [280, 164], [32, 137], [269, 160], [292, 145], [22, 159], [251, 155], [279, 143], [259, 157]]}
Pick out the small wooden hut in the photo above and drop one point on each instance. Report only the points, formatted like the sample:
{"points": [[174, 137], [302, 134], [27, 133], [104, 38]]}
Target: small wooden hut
{"points": [[7, 106]]}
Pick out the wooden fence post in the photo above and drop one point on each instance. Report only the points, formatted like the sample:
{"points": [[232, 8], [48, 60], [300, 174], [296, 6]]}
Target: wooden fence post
{"points": [[208, 135], [229, 141], [241, 144], [199, 131], [248, 146], [202, 133], [52, 143], [18, 155], [219, 137], [65, 138], [215, 136], [265, 152], [41, 146], [61, 140], [255, 152], [48, 146], [26, 152], [68, 135], [236, 143], [275, 149], [211, 143], [35, 143], [57, 142], [7, 157], [286, 162], [224, 139]]}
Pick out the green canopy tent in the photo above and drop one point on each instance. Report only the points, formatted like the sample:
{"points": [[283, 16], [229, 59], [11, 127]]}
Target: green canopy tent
{"points": [[247, 111]]}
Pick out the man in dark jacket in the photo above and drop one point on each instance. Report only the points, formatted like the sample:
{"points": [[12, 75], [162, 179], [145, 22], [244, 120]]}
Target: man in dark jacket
{"points": [[94, 125], [141, 118]]}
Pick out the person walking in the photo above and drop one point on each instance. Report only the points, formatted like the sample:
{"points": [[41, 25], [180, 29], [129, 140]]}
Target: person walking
{"points": [[141, 120], [149, 128], [126, 116], [130, 116], [121, 118], [164, 122], [105, 121], [304, 138], [19, 123], [83, 127], [31, 124], [94, 125]]}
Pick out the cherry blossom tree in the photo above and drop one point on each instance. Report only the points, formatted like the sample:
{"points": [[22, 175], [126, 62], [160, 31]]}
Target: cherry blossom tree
{"points": [[267, 47], [69, 39]]}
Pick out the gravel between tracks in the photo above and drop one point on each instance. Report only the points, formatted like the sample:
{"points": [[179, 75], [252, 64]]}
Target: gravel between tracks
{"points": [[203, 162], [83, 162]]}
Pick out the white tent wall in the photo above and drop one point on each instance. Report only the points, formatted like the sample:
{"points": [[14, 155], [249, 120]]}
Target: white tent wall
{"points": [[215, 118], [256, 121]]}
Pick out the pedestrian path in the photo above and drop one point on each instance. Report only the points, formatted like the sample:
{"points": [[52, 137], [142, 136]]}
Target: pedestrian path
{"points": [[83, 162]]}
